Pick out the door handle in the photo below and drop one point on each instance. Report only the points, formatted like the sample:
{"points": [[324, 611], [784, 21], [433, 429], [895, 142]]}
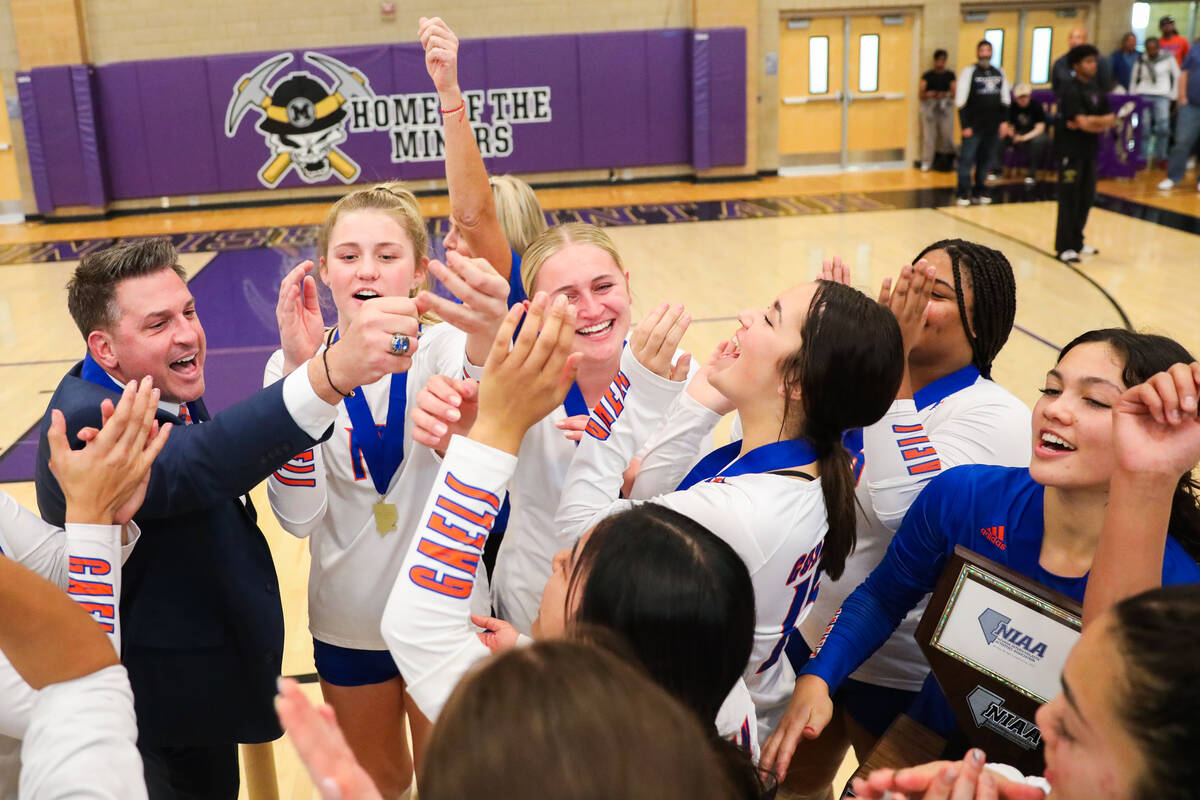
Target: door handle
{"points": [[5, 146], [803, 99], [883, 96]]}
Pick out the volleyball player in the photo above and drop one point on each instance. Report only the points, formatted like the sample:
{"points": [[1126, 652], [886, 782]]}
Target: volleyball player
{"points": [[48, 643], [581, 263], [676, 594], [590, 708], [948, 412], [820, 360], [354, 494], [1043, 522], [491, 218]]}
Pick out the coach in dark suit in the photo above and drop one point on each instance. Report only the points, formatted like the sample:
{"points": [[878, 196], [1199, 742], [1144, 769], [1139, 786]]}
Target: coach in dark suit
{"points": [[202, 626]]}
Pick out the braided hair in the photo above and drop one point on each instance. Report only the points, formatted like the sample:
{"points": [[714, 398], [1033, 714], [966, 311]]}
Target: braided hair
{"points": [[991, 318]]}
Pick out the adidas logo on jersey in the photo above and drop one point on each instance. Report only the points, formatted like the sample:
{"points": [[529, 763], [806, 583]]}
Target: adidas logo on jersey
{"points": [[995, 535]]}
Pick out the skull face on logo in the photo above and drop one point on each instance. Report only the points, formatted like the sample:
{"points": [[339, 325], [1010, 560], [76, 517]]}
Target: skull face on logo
{"points": [[303, 121]]}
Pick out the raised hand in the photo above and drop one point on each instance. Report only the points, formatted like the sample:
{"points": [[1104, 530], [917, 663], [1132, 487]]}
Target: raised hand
{"points": [[523, 384], [445, 407], [497, 635], [702, 391], [944, 780], [806, 716], [321, 746], [836, 270], [298, 314], [105, 482], [909, 299], [654, 340], [1156, 429], [484, 296], [363, 354], [441, 54]]}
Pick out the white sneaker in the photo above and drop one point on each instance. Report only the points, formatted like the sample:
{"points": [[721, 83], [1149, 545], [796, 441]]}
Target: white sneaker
{"points": [[963, 201], [1030, 181], [1069, 257], [925, 167], [1166, 185], [983, 200], [1088, 250], [992, 177]]}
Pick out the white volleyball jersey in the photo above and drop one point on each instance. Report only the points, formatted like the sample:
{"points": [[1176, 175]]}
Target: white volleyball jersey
{"points": [[774, 522], [327, 494], [531, 539], [959, 419], [427, 619], [82, 741], [85, 561]]}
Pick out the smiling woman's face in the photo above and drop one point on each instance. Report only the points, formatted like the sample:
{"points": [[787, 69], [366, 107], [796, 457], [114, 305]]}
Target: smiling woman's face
{"points": [[591, 280], [1072, 422]]}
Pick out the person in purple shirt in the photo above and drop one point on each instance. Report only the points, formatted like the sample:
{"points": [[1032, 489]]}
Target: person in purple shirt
{"points": [[1043, 522]]}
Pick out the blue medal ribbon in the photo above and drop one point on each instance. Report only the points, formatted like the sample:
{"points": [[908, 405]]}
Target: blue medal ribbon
{"points": [[724, 462], [382, 446], [574, 404]]}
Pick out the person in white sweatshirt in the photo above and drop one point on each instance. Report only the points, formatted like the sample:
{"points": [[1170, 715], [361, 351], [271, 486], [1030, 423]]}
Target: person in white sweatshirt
{"points": [[1155, 76]]}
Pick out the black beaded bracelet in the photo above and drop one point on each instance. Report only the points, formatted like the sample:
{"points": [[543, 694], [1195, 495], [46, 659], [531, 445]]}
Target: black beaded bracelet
{"points": [[325, 361]]}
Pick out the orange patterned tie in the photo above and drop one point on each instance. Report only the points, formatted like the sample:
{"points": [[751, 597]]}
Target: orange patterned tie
{"points": [[184, 415]]}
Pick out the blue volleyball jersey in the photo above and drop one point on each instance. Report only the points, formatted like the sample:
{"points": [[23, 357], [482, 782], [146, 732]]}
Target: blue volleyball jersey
{"points": [[993, 511]]}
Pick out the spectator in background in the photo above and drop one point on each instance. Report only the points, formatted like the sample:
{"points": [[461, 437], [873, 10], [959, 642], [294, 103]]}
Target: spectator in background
{"points": [[1083, 114], [937, 111], [1187, 126], [1062, 74], [1171, 41], [981, 96], [1156, 77], [1122, 60], [1025, 129]]}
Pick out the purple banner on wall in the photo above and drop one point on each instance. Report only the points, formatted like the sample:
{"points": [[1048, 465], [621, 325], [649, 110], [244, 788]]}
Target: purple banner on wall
{"points": [[338, 116]]}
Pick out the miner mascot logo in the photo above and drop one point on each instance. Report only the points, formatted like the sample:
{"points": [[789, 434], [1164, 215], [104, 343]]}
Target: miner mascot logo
{"points": [[302, 118]]}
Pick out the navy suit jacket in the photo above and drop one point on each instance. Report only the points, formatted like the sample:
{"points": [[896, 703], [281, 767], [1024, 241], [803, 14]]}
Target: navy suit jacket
{"points": [[201, 620]]}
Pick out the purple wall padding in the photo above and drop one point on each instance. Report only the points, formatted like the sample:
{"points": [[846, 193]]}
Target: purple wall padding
{"points": [[701, 95], [151, 128], [119, 117], [615, 80], [727, 95], [59, 131], [669, 135], [33, 143], [94, 184]]}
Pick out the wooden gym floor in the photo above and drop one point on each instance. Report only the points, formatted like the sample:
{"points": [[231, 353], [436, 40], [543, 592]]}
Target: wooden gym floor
{"points": [[716, 247]]}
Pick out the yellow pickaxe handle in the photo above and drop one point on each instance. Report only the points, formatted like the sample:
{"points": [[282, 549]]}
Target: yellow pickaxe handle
{"points": [[345, 167], [279, 164]]}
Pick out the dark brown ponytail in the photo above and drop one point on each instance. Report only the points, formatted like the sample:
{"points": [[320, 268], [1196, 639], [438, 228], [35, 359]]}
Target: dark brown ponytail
{"points": [[848, 370]]}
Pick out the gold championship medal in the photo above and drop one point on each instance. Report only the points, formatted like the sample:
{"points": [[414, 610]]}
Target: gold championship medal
{"points": [[386, 517]]}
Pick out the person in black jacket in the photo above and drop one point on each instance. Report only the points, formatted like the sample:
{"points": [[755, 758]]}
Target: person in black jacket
{"points": [[1083, 114], [982, 99], [202, 626]]}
